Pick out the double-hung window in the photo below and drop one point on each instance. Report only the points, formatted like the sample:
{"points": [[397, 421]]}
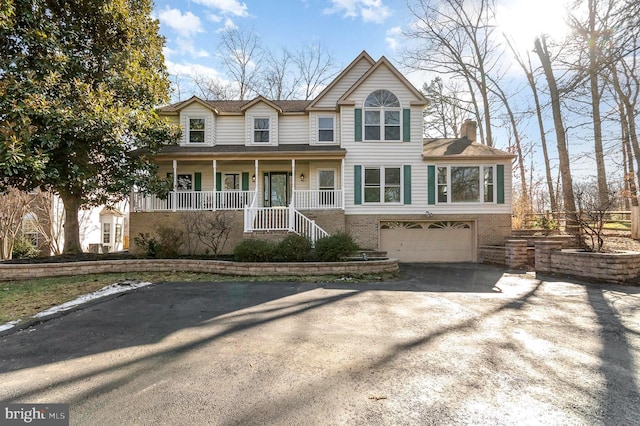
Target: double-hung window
{"points": [[465, 184], [326, 129], [261, 130], [106, 233], [382, 117], [196, 130], [382, 184]]}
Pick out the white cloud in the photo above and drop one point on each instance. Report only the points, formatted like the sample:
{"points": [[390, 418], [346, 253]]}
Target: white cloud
{"points": [[186, 25], [228, 25], [233, 7], [186, 46], [193, 70], [215, 18], [369, 10], [392, 37]]}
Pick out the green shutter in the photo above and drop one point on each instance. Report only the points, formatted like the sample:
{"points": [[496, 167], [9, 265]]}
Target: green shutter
{"points": [[431, 184], [407, 184], [500, 178], [357, 184], [406, 125], [245, 181], [197, 184], [358, 124], [218, 181]]}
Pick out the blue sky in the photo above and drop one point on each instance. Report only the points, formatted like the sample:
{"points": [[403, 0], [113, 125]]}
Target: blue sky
{"points": [[343, 27]]}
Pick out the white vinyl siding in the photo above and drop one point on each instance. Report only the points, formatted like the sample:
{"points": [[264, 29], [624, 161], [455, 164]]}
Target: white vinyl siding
{"points": [[331, 98], [261, 111], [293, 129], [230, 130], [197, 111]]}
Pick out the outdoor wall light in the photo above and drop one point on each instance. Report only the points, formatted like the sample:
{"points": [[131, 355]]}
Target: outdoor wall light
{"points": [[253, 178], [301, 177]]}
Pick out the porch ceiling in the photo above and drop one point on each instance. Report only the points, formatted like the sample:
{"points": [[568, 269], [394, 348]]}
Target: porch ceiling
{"points": [[234, 152]]}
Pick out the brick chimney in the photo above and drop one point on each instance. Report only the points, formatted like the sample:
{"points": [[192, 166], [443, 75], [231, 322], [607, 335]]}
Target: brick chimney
{"points": [[468, 130]]}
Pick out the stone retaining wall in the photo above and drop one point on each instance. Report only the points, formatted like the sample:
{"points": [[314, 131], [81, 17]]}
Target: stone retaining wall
{"points": [[28, 271]]}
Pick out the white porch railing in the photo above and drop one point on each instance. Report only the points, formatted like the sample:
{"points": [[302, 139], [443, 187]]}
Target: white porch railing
{"points": [[317, 199], [192, 200], [230, 200], [282, 219]]}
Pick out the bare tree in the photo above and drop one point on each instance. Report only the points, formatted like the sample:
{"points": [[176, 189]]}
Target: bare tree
{"points": [[527, 68], [14, 205], [542, 51], [211, 229], [316, 67], [446, 110], [592, 212], [455, 37], [242, 56], [279, 79], [212, 89]]}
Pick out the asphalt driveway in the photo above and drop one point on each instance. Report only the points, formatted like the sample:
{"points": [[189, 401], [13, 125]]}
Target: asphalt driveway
{"points": [[443, 344]]}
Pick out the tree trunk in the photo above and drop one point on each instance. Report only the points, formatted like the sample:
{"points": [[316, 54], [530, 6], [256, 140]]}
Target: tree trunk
{"points": [[543, 142], [563, 152], [71, 224], [630, 179], [603, 190]]}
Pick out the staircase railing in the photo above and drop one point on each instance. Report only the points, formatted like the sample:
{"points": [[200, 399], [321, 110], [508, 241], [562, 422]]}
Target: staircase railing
{"points": [[282, 219]]}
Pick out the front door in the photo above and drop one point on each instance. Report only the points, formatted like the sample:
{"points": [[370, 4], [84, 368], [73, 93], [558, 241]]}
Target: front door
{"points": [[276, 189]]}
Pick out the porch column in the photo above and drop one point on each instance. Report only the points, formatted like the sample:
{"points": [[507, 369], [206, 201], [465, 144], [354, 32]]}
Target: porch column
{"points": [[255, 186], [293, 181], [175, 185], [342, 182], [215, 195]]}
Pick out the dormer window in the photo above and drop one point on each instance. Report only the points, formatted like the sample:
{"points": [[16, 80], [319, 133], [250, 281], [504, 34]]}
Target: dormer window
{"points": [[326, 129], [261, 130], [196, 130], [382, 117]]}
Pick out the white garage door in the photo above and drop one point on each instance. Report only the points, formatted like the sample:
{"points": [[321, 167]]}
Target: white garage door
{"points": [[444, 241]]}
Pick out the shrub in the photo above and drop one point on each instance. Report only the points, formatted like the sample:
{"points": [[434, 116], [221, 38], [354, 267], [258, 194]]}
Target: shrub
{"points": [[170, 240], [147, 243], [23, 249], [166, 245], [254, 251], [335, 247], [294, 248]]}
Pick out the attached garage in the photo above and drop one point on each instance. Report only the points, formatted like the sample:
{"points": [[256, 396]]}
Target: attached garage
{"points": [[429, 241]]}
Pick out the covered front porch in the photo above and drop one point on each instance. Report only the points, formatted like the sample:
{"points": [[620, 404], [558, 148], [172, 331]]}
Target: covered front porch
{"points": [[235, 185]]}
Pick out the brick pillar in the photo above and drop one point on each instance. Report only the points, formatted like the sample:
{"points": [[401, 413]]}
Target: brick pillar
{"points": [[544, 249], [515, 254]]}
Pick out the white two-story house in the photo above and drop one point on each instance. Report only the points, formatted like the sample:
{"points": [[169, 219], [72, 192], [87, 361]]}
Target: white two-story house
{"points": [[353, 159]]}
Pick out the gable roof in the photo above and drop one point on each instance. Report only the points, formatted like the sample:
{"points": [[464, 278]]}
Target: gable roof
{"points": [[222, 107], [363, 56], [383, 61], [460, 148]]}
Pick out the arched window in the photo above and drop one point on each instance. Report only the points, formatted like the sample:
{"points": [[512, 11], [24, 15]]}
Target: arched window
{"points": [[382, 116]]}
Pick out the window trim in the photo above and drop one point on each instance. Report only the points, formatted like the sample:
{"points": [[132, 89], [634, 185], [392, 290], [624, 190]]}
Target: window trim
{"points": [[188, 130], [224, 180], [382, 125], [106, 232], [333, 129], [267, 130], [482, 184], [191, 180], [383, 185]]}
